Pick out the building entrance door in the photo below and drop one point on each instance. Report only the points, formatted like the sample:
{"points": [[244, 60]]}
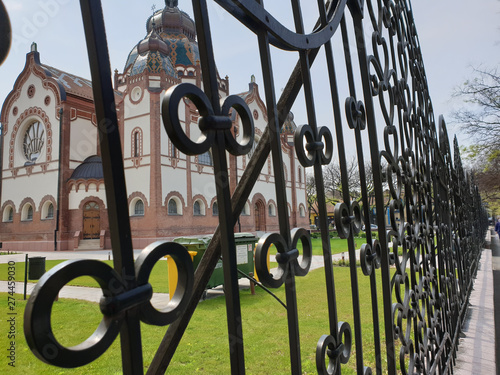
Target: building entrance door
{"points": [[91, 221], [260, 216]]}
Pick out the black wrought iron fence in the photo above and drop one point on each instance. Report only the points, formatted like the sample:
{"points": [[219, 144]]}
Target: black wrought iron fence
{"points": [[426, 261]]}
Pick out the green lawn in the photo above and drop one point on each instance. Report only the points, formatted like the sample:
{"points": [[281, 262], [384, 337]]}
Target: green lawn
{"points": [[158, 278], [204, 347]]}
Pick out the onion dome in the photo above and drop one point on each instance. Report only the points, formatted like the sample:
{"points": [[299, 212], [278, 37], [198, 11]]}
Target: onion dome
{"points": [[151, 54], [91, 168], [172, 20], [170, 41], [177, 30], [289, 125]]}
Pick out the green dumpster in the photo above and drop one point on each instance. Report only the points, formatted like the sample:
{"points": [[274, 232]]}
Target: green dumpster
{"points": [[245, 244], [36, 267]]}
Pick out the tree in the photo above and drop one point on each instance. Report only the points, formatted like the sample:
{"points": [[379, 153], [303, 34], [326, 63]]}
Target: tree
{"points": [[485, 166], [333, 180], [311, 193], [481, 120]]}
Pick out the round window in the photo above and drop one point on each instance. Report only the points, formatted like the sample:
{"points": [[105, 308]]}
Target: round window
{"points": [[33, 141]]}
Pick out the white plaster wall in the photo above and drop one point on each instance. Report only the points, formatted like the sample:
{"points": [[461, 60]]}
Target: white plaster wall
{"points": [[35, 187], [173, 179], [139, 108], [204, 184], [137, 179], [142, 122], [75, 198], [83, 139]]}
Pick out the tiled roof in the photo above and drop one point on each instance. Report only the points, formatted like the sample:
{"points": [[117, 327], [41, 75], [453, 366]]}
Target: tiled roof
{"points": [[72, 84]]}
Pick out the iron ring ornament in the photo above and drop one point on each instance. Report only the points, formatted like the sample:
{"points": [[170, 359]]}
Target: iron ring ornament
{"points": [[209, 121], [348, 219], [336, 352], [115, 301], [356, 114], [318, 146], [287, 258]]}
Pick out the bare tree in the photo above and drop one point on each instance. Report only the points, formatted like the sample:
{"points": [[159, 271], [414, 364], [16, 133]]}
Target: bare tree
{"points": [[312, 197], [481, 120], [333, 180]]}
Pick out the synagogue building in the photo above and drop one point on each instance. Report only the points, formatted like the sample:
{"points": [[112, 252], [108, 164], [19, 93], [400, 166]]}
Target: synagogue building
{"points": [[52, 186]]}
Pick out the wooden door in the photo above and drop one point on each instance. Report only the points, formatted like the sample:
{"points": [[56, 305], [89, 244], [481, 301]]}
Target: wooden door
{"points": [[91, 221], [260, 218]]}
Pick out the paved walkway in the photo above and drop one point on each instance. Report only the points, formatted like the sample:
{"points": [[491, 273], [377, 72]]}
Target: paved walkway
{"points": [[476, 352]]}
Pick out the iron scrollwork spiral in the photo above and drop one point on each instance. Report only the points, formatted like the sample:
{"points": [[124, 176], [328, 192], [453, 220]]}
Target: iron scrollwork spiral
{"points": [[209, 121], [116, 300], [287, 258]]}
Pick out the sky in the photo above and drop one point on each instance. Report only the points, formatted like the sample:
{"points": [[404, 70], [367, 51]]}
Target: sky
{"points": [[455, 36]]}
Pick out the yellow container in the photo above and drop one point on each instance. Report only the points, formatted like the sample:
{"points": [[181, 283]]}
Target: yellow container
{"points": [[255, 276], [172, 273]]}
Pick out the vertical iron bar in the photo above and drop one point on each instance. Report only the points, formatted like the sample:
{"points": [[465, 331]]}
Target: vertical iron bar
{"points": [[320, 188], [379, 197], [280, 186], [114, 177], [347, 198], [226, 225]]}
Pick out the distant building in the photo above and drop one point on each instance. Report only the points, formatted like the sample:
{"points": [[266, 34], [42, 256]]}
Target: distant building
{"points": [[52, 186]]}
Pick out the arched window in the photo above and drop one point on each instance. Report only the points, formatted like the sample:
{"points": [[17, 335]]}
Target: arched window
{"points": [[172, 207], [173, 150], [139, 208], [197, 208], [215, 209], [246, 210], [27, 212], [136, 144], [33, 141], [8, 214], [272, 210], [50, 211], [302, 211], [205, 159]]}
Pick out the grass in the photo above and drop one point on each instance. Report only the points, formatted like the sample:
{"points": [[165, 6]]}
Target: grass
{"points": [[158, 278], [204, 346], [159, 275]]}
